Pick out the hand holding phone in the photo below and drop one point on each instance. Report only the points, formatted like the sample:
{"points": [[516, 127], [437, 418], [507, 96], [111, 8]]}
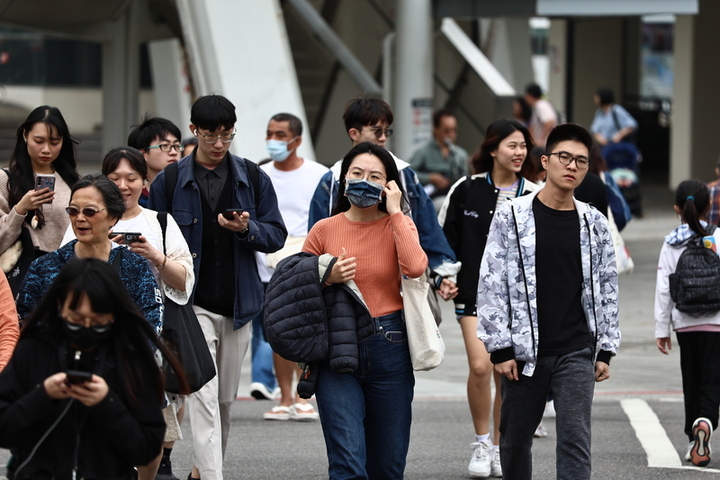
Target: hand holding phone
{"points": [[76, 377], [127, 237], [45, 181], [228, 214]]}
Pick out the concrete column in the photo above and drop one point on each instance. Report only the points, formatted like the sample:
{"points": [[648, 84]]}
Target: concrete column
{"points": [[121, 78], [510, 51], [558, 58], [170, 83], [696, 97], [413, 85]]}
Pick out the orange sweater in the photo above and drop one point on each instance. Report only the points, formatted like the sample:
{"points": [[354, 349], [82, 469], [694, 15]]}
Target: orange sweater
{"points": [[9, 329], [381, 247]]}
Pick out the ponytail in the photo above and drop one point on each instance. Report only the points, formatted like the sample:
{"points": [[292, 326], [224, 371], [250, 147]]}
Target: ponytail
{"points": [[693, 199]]}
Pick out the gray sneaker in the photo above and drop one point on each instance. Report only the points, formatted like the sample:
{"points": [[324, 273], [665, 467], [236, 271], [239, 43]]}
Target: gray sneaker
{"points": [[480, 463]]}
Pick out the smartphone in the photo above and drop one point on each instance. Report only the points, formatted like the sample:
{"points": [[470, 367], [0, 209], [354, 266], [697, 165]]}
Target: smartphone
{"points": [[76, 377], [228, 213], [128, 237], [45, 181]]}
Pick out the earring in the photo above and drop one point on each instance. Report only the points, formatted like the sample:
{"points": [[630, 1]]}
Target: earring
{"points": [[25, 139]]}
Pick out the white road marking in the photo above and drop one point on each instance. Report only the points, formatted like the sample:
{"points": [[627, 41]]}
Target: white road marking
{"points": [[652, 436]]}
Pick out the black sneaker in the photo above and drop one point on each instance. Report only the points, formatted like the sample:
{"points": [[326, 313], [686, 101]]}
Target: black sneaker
{"points": [[165, 470]]}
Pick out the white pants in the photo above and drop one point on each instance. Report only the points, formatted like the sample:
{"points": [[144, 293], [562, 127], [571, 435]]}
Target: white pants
{"points": [[209, 408]]}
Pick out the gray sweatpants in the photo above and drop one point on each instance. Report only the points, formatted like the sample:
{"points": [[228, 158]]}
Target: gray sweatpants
{"points": [[572, 379]]}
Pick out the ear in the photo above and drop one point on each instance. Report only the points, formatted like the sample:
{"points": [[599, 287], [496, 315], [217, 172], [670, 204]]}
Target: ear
{"points": [[354, 135], [544, 161], [677, 211], [193, 130], [297, 141]]}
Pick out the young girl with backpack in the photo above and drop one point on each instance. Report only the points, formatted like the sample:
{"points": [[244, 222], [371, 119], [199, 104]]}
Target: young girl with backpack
{"points": [[694, 315]]}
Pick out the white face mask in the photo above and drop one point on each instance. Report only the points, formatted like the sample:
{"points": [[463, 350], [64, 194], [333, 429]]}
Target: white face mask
{"points": [[277, 149]]}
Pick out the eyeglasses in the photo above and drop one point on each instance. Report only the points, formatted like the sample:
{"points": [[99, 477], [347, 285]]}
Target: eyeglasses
{"points": [[566, 158], [165, 147], [359, 174], [226, 138], [75, 324], [87, 211], [378, 131]]}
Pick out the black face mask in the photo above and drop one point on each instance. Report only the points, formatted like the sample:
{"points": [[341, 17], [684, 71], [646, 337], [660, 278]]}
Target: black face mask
{"points": [[86, 337]]}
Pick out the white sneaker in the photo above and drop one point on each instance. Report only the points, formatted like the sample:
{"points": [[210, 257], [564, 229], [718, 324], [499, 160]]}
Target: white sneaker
{"points": [[480, 463], [540, 431], [550, 410], [495, 466], [688, 457]]}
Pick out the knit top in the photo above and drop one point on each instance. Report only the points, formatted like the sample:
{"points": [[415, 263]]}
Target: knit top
{"points": [[382, 249]]}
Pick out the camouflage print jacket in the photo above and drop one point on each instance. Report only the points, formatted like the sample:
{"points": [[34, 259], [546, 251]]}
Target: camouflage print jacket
{"points": [[507, 293]]}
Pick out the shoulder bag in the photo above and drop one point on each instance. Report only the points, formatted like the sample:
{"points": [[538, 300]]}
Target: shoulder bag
{"points": [[184, 336], [427, 348]]}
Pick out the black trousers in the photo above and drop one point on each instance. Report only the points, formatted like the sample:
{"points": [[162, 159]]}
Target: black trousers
{"points": [[700, 368]]}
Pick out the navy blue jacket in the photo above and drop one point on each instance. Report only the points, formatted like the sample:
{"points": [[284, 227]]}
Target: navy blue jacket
{"points": [[267, 231]]}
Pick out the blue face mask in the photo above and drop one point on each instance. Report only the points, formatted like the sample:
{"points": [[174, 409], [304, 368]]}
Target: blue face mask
{"points": [[362, 193], [278, 149]]}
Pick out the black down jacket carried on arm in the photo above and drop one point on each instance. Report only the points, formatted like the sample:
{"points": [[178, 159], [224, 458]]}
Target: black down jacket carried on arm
{"points": [[308, 322]]}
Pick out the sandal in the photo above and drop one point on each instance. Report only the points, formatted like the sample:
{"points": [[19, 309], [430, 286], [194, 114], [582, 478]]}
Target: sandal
{"points": [[279, 412], [303, 412]]}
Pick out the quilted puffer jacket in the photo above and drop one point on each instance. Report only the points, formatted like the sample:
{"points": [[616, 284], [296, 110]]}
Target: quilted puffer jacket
{"points": [[307, 323]]}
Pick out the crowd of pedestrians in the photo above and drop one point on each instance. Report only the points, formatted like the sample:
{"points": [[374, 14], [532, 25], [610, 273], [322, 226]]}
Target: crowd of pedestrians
{"points": [[91, 263]]}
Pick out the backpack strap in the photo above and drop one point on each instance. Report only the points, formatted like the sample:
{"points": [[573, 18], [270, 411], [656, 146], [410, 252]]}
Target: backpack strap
{"points": [[162, 219], [171, 177], [615, 118]]}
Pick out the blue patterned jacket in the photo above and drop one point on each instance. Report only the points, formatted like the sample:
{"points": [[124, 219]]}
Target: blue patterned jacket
{"points": [[507, 291], [133, 269]]}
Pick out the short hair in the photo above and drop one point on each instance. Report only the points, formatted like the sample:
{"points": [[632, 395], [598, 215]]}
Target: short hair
{"points": [[364, 110], [605, 95], [189, 141], [294, 123], [149, 129], [534, 90], [569, 132], [211, 112], [110, 192], [342, 204], [440, 114], [134, 157]]}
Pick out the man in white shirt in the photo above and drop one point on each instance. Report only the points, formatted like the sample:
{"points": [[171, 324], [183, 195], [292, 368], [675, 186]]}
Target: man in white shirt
{"points": [[544, 116], [294, 179]]}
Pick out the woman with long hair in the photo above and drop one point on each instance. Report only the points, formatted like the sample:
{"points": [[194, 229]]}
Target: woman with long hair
{"points": [[82, 395], [366, 413], [43, 147], [95, 206], [698, 332], [501, 173]]}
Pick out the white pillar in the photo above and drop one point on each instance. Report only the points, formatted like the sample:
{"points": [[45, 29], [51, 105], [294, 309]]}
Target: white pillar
{"points": [[170, 83], [413, 86]]}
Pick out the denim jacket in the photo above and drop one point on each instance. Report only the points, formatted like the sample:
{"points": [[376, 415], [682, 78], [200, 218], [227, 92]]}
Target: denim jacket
{"points": [[441, 257], [266, 233], [507, 291]]}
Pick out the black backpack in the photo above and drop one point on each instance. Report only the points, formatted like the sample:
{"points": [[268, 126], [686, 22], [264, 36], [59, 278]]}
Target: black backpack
{"points": [[695, 285]]}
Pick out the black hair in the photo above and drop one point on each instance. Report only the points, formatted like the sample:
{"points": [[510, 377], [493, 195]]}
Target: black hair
{"points": [[212, 112], [693, 200], [483, 161], [189, 141], [525, 109], [342, 204], [534, 90], [151, 128], [294, 124], [21, 176], [605, 95], [439, 115], [134, 157], [569, 132], [363, 111], [130, 334], [113, 199]]}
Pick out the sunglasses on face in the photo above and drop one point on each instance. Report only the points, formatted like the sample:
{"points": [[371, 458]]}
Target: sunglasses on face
{"points": [[87, 211]]}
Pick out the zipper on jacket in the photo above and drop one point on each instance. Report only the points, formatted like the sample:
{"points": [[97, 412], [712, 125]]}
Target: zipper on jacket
{"points": [[592, 287], [527, 296]]}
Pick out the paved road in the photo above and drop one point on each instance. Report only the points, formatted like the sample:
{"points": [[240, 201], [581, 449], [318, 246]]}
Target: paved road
{"points": [[637, 416]]}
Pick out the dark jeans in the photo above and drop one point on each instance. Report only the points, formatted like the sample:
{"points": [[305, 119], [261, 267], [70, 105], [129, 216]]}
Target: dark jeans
{"points": [[366, 415], [700, 367], [572, 379]]}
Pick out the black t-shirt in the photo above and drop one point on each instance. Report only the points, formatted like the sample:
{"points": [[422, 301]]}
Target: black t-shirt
{"points": [[562, 324]]}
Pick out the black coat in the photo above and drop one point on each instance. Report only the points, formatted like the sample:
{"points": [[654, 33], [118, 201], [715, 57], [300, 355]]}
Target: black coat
{"points": [[305, 322], [109, 438]]}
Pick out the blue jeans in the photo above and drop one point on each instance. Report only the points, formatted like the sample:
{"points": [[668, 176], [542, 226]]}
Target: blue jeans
{"points": [[366, 415], [261, 355]]}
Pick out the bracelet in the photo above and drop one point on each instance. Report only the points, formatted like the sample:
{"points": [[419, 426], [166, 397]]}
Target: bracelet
{"points": [[162, 265]]}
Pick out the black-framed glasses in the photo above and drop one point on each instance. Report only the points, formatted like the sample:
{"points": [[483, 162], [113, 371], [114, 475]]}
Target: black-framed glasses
{"points": [[226, 138], [87, 211], [378, 131], [166, 147], [566, 158]]}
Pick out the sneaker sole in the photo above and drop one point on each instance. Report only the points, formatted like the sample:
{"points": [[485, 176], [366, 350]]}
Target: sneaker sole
{"points": [[700, 452]]}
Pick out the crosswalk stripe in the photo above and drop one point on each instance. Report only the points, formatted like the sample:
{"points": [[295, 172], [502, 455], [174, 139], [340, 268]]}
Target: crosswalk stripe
{"points": [[651, 434]]}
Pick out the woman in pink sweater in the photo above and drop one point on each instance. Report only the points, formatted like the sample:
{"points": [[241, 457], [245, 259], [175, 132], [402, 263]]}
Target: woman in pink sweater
{"points": [[366, 414]]}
